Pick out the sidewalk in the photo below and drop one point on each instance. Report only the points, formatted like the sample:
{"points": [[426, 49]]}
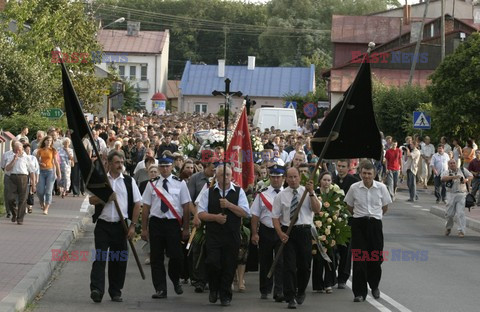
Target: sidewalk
{"points": [[25, 260], [473, 217]]}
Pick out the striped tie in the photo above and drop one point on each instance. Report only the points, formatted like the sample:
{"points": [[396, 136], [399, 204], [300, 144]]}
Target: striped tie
{"points": [[293, 204]]}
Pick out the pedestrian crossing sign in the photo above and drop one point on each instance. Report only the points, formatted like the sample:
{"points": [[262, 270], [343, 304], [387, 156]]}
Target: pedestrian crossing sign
{"points": [[421, 120]]}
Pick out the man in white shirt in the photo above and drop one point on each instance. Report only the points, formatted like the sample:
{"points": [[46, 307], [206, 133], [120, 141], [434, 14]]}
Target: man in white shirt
{"points": [[411, 166], [439, 164], [368, 201], [297, 254], [426, 153], [456, 180], [19, 166], [109, 233], [166, 211], [263, 234]]}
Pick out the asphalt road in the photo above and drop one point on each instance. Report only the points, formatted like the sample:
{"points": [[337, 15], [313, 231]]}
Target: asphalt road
{"points": [[445, 277]]}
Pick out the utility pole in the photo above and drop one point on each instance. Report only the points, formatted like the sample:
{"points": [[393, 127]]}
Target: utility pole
{"points": [[225, 44], [417, 47], [442, 29]]}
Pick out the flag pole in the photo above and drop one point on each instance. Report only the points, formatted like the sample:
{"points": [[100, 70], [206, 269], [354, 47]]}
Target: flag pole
{"points": [[331, 136], [102, 168]]}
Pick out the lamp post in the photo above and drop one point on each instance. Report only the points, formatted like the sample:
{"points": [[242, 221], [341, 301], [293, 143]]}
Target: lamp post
{"points": [[119, 20]]}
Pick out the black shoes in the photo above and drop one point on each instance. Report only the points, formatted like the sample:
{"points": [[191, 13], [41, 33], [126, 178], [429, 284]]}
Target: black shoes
{"points": [[278, 298], [225, 302], [160, 294], [300, 298], [376, 293], [292, 304], [178, 289], [199, 288], [359, 299], [213, 296], [264, 296], [96, 296], [117, 299], [9, 215], [341, 285]]}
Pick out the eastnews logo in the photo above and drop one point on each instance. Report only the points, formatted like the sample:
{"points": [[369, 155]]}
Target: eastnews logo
{"points": [[96, 57], [389, 57], [396, 255], [86, 255]]}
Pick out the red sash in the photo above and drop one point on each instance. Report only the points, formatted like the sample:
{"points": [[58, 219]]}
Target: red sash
{"points": [[266, 202], [169, 205]]}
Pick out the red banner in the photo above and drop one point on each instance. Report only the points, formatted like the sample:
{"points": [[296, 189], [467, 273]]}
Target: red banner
{"points": [[239, 153]]}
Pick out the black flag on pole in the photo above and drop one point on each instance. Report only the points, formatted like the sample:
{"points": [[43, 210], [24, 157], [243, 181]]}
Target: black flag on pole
{"points": [[356, 134], [93, 173]]}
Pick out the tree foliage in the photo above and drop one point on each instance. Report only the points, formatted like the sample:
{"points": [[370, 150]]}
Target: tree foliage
{"points": [[394, 107], [35, 122], [455, 91], [49, 23]]}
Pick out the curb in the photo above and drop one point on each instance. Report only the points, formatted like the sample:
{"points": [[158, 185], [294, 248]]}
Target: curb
{"points": [[472, 224], [36, 279]]}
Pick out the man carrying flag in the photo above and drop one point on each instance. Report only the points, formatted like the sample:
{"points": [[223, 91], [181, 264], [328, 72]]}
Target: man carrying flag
{"points": [[98, 184]]}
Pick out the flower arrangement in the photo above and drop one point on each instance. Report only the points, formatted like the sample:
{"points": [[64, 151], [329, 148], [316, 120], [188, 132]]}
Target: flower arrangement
{"points": [[188, 146], [257, 145], [332, 221], [213, 140]]}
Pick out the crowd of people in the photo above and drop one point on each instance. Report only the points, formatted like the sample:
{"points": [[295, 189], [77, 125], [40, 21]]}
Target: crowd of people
{"points": [[156, 176]]}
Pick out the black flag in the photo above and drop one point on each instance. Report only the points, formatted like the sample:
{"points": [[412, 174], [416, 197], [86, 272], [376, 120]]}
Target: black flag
{"points": [[93, 173], [356, 134]]}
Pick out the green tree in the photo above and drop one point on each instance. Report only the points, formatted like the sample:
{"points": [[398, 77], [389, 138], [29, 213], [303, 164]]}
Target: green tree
{"points": [[394, 107], [455, 91], [53, 23]]}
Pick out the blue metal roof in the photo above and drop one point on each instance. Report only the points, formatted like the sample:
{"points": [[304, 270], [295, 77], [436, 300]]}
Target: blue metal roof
{"points": [[262, 81]]}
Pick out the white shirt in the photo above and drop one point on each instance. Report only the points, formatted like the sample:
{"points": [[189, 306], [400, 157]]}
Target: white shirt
{"points": [[109, 212], [428, 150], [368, 202], [260, 210], [291, 156], [281, 207], [177, 195], [22, 165], [284, 156], [242, 199], [440, 162], [35, 164], [447, 148], [457, 186], [3, 162], [141, 165]]}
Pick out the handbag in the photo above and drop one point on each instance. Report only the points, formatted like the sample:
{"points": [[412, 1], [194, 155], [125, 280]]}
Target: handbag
{"points": [[469, 199], [30, 199]]}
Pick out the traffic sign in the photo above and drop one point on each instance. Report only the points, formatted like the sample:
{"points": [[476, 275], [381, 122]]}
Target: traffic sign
{"points": [[291, 104], [310, 110], [52, 113], [421, 120]]}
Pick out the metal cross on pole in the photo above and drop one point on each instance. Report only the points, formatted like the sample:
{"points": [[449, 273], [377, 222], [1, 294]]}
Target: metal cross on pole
{"points": [[228, 98]]}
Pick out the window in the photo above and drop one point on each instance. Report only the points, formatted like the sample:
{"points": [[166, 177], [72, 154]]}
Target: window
{"points": [[200, 107], [121, 71], [143, 72], [142, 104], [133, 72]]}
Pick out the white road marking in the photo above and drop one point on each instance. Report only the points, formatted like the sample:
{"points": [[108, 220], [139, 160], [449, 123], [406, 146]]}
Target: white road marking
{"points": [[425, 209], [85, 205], [417, 206], [380, 307]]}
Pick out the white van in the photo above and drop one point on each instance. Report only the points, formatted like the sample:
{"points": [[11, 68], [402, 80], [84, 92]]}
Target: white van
{"points": [[280, 118]]}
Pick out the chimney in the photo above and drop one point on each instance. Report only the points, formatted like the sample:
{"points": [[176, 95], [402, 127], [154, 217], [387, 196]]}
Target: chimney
{"points": [[133, 28], [476, 14], [221, 68], [406, 14], [251, 63]]}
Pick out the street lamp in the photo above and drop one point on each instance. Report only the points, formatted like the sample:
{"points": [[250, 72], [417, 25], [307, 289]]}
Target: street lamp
{"points": [[119, 20]]}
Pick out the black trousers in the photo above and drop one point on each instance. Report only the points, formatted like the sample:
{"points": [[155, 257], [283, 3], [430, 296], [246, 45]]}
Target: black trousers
{"points": [[221, 262], [268, 246], [344, 262], [323, 273], [197, 266], [367, 238], [109, 237], [297, 260], [78, 186], [165, 237]]}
